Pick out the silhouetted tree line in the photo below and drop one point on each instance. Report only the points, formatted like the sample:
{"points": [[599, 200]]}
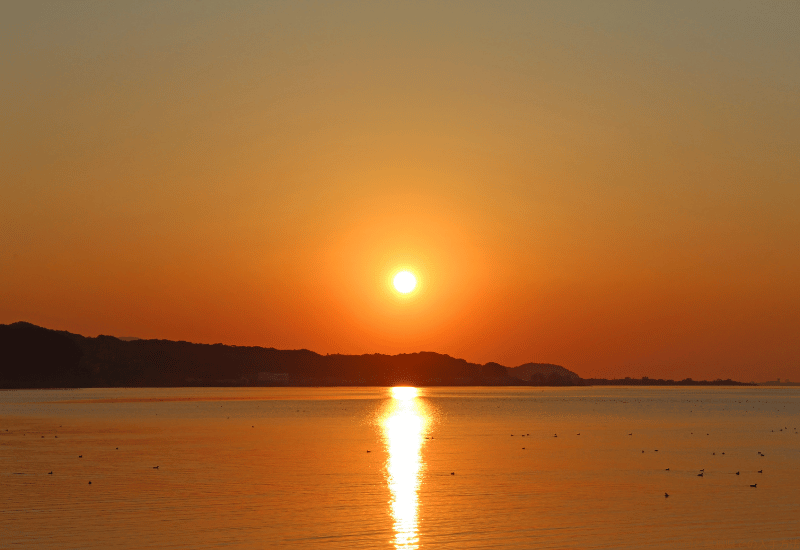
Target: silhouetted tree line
{"points": [[35, 357], [554, 379], [546, 374], [645, 381]]}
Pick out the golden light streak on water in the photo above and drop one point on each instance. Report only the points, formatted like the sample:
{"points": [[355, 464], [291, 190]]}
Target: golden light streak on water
{"points": [[403, 429], [286, 468]]}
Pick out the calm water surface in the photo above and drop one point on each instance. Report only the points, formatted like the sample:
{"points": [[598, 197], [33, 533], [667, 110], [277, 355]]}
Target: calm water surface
{"points": [[400, 468]]}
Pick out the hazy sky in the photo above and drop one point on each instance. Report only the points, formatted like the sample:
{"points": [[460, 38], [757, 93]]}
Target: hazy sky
{"points": [[610, 186]]}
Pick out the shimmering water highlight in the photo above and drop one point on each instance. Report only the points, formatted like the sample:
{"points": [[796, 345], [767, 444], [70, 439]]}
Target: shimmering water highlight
{"points": [[460, 468]]}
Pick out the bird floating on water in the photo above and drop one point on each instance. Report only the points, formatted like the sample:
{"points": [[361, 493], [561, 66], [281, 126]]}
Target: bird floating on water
{"points": [[754, 484]]}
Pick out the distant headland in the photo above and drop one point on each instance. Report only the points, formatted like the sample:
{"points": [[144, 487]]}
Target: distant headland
{"points": [[36, 357]]}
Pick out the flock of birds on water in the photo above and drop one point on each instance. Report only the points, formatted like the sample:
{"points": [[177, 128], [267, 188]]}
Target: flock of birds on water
{"points": [[702, 470], [666, 495], [79, 456]]}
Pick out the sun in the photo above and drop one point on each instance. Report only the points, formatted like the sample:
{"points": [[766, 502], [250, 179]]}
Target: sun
{"points": [[404, 393], [404, 282]]}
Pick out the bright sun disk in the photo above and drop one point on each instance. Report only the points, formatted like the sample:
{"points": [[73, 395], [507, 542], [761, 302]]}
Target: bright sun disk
{"points": [[404, 393], [405, 282]]}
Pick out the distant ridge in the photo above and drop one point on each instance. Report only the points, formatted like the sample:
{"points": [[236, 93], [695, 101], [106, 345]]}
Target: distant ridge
{"points": [[36, 357], [32, 356], [542, 372]]}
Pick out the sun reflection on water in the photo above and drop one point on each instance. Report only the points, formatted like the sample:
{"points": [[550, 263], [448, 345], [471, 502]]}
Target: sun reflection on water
{"points": [[403, 429]]}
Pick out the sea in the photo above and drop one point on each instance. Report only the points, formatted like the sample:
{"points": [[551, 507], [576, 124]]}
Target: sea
{"points": [[400, 468]]}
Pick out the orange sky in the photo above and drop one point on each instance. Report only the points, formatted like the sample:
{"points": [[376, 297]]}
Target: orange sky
{"points": [[616, 190]]}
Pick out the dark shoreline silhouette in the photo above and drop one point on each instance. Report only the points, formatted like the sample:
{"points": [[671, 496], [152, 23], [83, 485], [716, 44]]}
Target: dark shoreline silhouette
{"points": [[36, 357]]}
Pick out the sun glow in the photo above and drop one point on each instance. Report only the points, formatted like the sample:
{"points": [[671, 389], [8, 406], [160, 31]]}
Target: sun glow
{"points": [[404, 282], [404, 393], [403, 429]]}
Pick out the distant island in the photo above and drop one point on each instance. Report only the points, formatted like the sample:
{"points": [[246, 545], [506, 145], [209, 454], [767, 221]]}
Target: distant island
{"points": [[36, 357]]}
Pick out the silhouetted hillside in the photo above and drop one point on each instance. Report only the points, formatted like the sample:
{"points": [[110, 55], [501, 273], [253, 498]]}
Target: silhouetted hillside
{"points": [[46, 358], [35, 357], [32, 356], [545, 374]]}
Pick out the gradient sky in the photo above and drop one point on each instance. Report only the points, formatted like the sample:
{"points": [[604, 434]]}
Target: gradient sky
{"points": [[610, 186]]}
